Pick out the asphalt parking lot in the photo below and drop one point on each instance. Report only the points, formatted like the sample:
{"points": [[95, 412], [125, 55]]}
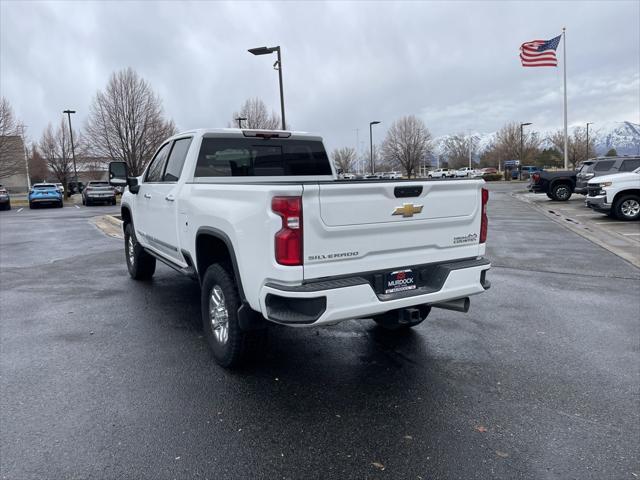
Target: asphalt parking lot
{"points": [[104, 377]]}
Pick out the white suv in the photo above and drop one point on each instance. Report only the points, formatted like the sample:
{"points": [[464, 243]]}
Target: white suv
{"points": [[617, 194]]}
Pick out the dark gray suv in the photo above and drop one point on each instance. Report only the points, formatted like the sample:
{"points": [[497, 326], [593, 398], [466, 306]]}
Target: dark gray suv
{"points": [[595, 167]]}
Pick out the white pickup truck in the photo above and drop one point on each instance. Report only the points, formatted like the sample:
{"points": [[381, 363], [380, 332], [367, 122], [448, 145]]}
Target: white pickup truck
{"points": [[260, 219]]}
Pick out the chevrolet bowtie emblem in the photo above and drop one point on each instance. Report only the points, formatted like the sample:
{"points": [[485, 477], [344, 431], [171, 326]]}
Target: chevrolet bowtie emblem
{"points": [[407, 210]]}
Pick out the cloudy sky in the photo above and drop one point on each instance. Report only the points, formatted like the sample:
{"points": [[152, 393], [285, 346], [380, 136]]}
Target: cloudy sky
{"points": [[454, 64]]}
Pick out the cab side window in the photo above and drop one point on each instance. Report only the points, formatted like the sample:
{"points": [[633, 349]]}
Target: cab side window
{"points": [[630, 165], [604, 166], [154, 173], [176, 160]]}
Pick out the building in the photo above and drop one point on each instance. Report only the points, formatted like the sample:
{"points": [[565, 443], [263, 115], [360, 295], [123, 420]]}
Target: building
{"points": [[13, 165]]}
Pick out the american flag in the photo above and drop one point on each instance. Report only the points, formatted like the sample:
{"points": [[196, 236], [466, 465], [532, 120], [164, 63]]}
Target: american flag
{"points": [[540, 53]]}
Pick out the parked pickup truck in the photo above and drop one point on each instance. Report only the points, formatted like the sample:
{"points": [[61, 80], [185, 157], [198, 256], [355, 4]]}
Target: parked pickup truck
{"points": [[557, 185], [261, 221], [617, 194]]}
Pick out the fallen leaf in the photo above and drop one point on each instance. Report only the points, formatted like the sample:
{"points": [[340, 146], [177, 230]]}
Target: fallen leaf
{"points": [[378, 465], [481, 428], [502, 454]]}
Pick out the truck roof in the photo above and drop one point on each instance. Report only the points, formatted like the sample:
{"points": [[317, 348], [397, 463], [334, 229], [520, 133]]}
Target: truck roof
{"points": [[247, 132]]}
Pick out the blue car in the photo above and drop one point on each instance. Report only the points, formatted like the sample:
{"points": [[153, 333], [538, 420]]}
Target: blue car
{"points": [[45, 194]]}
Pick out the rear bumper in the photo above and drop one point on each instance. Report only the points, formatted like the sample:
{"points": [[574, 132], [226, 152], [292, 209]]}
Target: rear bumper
{"points": [[51, 199], [598, 203], [334, 300]]}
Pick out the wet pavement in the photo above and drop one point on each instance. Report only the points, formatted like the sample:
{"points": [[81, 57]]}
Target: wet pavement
{"points": [[104, 377]]}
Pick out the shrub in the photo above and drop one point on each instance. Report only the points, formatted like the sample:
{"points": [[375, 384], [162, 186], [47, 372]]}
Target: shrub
{"points": [[492, 177]]}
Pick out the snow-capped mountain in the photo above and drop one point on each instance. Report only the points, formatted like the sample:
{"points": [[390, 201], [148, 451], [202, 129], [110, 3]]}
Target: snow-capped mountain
{"points": [[623, 136]]}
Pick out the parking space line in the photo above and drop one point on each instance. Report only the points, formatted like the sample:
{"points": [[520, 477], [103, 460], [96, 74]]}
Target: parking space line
{"points": [[19, 210], [76, 206], [629, 234]]}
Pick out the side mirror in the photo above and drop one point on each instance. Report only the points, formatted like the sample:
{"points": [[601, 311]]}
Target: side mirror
{"points": [[118, 174], [132, 182]]}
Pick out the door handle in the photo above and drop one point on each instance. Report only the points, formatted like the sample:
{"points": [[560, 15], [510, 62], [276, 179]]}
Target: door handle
{"points": [[170, 198], [146, 195]]}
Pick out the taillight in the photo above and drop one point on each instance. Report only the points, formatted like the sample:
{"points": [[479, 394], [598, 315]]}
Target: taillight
{"points": [[535, 177], [484, 222], [288, 240]]}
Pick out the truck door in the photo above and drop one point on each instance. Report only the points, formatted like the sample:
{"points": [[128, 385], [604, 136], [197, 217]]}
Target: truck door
{"points": [[143, 213], [163, 213]]}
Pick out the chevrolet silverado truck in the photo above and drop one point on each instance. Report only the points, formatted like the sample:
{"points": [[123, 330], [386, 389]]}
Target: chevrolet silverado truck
{"points": [[617, 195], [558, 186], [261, 221]]}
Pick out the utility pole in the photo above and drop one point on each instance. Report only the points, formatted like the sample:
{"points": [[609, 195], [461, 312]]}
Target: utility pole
{"points": [[587, 155], [521, 148]]}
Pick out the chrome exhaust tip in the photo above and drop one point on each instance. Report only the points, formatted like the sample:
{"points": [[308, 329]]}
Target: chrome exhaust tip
{"points": [[459, 305]]}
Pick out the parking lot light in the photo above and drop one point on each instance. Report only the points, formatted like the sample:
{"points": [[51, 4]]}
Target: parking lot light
{"points": [[521, 148], [371, 124], [73, 151], [277, 66]]}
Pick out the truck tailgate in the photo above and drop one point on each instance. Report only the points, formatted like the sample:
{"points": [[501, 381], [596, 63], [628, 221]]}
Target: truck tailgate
{"points": [[355, 227]]}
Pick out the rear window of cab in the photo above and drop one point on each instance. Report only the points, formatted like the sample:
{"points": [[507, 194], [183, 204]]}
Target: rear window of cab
{"points": [[254, 157]]}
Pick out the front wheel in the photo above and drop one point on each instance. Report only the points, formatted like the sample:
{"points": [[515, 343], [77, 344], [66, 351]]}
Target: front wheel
{"points": [[230, 345], [561, 192], [140, 264], [627, 207]]}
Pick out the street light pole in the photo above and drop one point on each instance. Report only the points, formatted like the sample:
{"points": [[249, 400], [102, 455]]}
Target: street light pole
{"points": [[522, 125], [371, 124], [277, 66], [587, 155], [73, 151]]}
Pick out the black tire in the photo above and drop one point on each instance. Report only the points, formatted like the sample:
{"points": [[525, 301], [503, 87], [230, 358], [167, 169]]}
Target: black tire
{"points": [[389, 321], [61, 204], [627, 207], [140, 264], [113, 202], [561, 192], [233, 347], [31, 205], [83, 201], [550, 196]]}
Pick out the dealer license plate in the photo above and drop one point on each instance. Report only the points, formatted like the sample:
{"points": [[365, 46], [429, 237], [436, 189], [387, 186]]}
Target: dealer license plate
{"points": [[399, 281]]}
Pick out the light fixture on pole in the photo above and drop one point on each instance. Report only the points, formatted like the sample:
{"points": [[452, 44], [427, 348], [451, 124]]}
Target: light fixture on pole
{"points": [[278, 66], [73, 151], [371, 124], [240, 120], [588, 123], [521, 148]]}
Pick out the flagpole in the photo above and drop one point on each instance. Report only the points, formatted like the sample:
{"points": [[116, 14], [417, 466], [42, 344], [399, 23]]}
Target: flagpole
{"points": [[564, 61]]}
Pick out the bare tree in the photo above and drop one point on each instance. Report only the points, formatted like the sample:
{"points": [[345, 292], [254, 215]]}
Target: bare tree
{"points": [[55, 148], [344, 158], [254, 111], [578, 151], [457, 150], [126, 121], [38, 169], [407, 143], [507, 146], [11, 142]]}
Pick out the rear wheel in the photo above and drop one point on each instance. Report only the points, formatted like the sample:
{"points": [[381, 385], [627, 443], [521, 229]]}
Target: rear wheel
{"points": [[627, 207], [31, 205], [550, 196], [230, 345], [561, 192], [140, 264]]}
